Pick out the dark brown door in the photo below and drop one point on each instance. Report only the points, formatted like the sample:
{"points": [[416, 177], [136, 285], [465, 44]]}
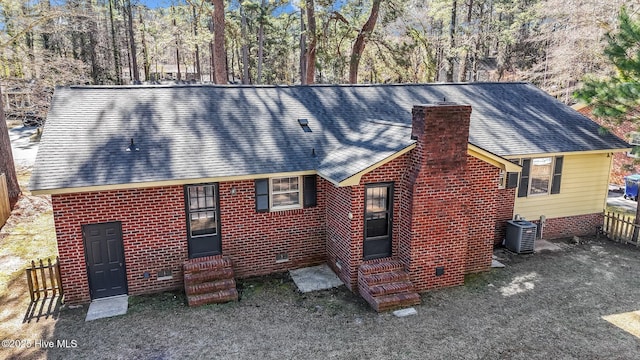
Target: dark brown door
{"points": [[377, 221], [203, 224], [104, 254]]}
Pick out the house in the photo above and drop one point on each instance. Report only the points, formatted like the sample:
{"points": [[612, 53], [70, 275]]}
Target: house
{"points": [[624, 163], [399, 188]]}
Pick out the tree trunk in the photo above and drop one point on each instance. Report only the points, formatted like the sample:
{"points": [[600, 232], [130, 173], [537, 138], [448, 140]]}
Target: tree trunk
{"points": [[219, 55], [313, 40], [127, 44], [245, 49], [6, 159], [145, 52], [197, 54], [303, 50], [212, 59], [452, 41], [116, 51], [93, 32], [465, 65], [177, 50], [132, 43], [359, 44], [261, 43]]}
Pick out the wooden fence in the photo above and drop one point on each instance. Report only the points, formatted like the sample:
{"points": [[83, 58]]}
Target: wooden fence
{"points": [[621, 228], [43, 278], [5, 209]]}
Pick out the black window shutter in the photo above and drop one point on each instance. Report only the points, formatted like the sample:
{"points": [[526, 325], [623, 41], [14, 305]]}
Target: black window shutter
{"points": [[523, 189], [309, 188], [512, 180], [262, 195], [557, 175]]}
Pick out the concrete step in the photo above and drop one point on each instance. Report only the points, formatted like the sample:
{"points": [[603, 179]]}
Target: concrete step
{"points": [[208, 276], [390, 288], [395, 301], [210, 286], [217, 297], [384, 278], [381, 267]]}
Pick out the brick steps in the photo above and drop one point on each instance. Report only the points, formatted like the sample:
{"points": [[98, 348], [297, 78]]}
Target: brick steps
{"points": [[386, 286], [221, 296], [381, 267], [384, 278], [391, 288], [211, 286], [209, 280], [206, 275], [395, 301]]}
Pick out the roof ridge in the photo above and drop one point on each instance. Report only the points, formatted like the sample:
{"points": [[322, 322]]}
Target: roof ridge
{"points": [[286, 86]]}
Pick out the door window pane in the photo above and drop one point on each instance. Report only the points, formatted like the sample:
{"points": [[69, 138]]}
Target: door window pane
{"points": [[378, 227], [203, 223], [377, 212], [376, 199], [202, 210]]}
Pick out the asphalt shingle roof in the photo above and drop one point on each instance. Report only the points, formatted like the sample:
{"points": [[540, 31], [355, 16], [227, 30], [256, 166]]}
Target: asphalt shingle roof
{"points": [[196, 132]]}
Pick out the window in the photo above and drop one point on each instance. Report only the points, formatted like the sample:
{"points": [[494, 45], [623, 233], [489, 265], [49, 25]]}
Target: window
{"points": [[285, 193], [634, 141], [502, 179], [540, 176], [202, 210]]}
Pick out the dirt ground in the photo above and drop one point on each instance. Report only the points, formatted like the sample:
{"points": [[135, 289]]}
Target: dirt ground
{"points": [[544, 306]]}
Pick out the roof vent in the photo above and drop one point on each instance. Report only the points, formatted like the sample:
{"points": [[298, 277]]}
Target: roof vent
{"points": [[132, 147], [304, 123]]}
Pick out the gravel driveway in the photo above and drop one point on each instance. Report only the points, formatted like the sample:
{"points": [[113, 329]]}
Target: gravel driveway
{"points": [[544, 306]]}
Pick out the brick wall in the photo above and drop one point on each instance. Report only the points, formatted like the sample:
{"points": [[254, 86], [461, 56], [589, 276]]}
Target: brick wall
{"points": [[153, 229], [155, 235], [505, 202], [339, 242], [569, 226], [435, 226], [483, 211], [391, 172], [345, 237], [253, 239]]}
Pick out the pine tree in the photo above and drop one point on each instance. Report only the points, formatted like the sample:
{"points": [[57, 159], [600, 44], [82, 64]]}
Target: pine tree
{"points": [[618, 96]]}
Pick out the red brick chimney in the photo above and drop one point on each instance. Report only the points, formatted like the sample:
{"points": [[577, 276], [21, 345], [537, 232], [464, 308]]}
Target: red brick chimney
{"points": [[434, 231]]}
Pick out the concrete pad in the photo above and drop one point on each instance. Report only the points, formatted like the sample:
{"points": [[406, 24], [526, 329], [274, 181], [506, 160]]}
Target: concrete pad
{"points": [[314, 278], [108, 307], [405, 312], [496, 264], [541, 244], [629, 322]]}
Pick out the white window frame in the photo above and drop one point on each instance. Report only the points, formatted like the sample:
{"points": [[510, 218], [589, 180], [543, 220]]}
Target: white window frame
{"points": [[285, 207], [634, 141], [531, 176], [502, 180]]}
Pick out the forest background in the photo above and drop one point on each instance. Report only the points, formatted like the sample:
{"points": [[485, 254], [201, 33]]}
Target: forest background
{"points": [[550, 43]]}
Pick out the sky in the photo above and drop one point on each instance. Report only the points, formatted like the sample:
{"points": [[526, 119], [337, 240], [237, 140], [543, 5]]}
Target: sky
{"points": [[290, 7]]}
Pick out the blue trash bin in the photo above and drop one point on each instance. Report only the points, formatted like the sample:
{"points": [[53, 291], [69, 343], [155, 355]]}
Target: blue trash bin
{"points": [[631, 186]]}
